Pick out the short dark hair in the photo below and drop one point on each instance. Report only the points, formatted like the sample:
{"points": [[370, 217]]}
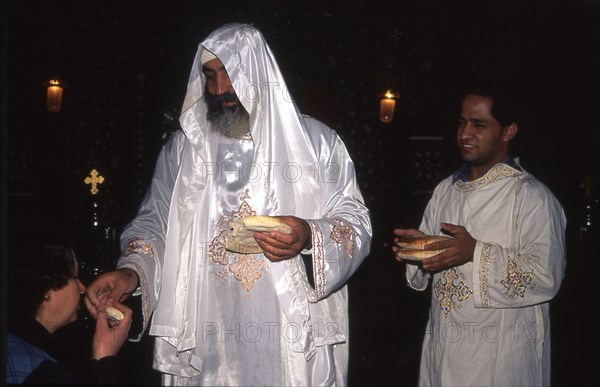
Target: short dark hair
{"points": [[505, 96], [32, 272]]}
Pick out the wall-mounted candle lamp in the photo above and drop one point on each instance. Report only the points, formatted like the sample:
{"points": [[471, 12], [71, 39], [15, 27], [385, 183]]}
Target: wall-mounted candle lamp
{"points": [[54, 95], [387, 106]]}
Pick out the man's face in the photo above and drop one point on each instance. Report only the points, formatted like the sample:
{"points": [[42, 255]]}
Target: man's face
{"points": [[225, 111], [481, 139], [217, 79]]}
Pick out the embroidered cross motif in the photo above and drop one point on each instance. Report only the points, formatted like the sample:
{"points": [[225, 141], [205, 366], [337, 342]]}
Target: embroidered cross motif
{"points": [[343, 233], [217, 251], [450, 291], [248, 267], [247, 270], [516, 280]]}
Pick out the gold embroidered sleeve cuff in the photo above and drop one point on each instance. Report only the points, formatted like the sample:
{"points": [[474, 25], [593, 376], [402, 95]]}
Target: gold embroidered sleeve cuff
{"points": [[481, 273], [318, 258]]}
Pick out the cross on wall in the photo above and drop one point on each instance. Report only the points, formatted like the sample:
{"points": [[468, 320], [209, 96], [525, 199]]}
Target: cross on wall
{"points": [[94, 179]]}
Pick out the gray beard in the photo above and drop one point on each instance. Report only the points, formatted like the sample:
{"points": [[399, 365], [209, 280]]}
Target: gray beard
{"points": [[231, 123]]}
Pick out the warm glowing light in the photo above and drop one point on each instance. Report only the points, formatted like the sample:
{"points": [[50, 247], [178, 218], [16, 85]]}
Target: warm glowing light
{"points": [[54, 96], [387, 106]]}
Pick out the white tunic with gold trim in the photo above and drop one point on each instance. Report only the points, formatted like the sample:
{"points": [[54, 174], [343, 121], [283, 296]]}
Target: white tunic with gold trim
{"points": [[222, 318], [489, 320]]}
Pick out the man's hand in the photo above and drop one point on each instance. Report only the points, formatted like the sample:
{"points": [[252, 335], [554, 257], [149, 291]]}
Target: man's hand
{"points": [[278, 246], [115, 285], [459, 249]]}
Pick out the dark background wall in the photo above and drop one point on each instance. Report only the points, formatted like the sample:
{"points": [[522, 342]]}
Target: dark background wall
{"points": [[126, 64]]}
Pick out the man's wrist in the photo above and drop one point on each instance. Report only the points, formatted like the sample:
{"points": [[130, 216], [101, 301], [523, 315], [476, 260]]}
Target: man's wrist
{"points": [[132, 278]]}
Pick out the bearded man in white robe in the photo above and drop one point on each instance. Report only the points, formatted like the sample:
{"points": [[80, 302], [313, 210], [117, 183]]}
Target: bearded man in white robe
{"points": [[489, 322], [279, 317]]}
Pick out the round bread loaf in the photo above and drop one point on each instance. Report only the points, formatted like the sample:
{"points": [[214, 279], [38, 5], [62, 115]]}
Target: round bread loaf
{"points": [[417, 255], [419, 242], [240, 238]]}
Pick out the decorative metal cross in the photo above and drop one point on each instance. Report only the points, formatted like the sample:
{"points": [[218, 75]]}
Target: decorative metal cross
{"points": [[94, 179]]}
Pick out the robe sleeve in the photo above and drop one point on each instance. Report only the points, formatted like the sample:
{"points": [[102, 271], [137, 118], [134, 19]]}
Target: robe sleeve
{"points": [[142, 240], [341, 238], [530, 269]]}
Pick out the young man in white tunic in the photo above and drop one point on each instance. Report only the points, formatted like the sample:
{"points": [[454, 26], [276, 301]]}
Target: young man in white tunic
{"points": [[489, 321], [223, 318]]}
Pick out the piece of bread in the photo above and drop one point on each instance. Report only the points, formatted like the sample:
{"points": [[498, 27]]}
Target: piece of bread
{"points": [[416, 254], [114, 314], [240, 238], [419, 242], [412, 247], [265, 223]]}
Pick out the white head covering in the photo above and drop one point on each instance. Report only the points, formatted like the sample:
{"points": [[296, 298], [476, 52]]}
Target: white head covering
{"points": [[276, 125]]}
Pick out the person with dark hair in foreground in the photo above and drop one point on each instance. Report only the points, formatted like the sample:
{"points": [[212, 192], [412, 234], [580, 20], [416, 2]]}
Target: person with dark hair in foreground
{"points": [[489, 321], [44, 295]]}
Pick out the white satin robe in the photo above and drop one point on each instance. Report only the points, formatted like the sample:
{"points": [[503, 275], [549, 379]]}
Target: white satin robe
{"points": [[489, 321], [232, 319]]}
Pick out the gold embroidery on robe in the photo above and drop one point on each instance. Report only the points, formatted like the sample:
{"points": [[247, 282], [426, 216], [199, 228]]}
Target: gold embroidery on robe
{"points": [[484, 271], [450, 291], [343, 233], [217, 251], [247, 268], [516, 280], [497, 172], [139, 246], [319, 257]]}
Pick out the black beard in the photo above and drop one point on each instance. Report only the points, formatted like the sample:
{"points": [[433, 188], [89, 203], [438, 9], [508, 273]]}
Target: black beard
{"points": [[233, 122]]}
